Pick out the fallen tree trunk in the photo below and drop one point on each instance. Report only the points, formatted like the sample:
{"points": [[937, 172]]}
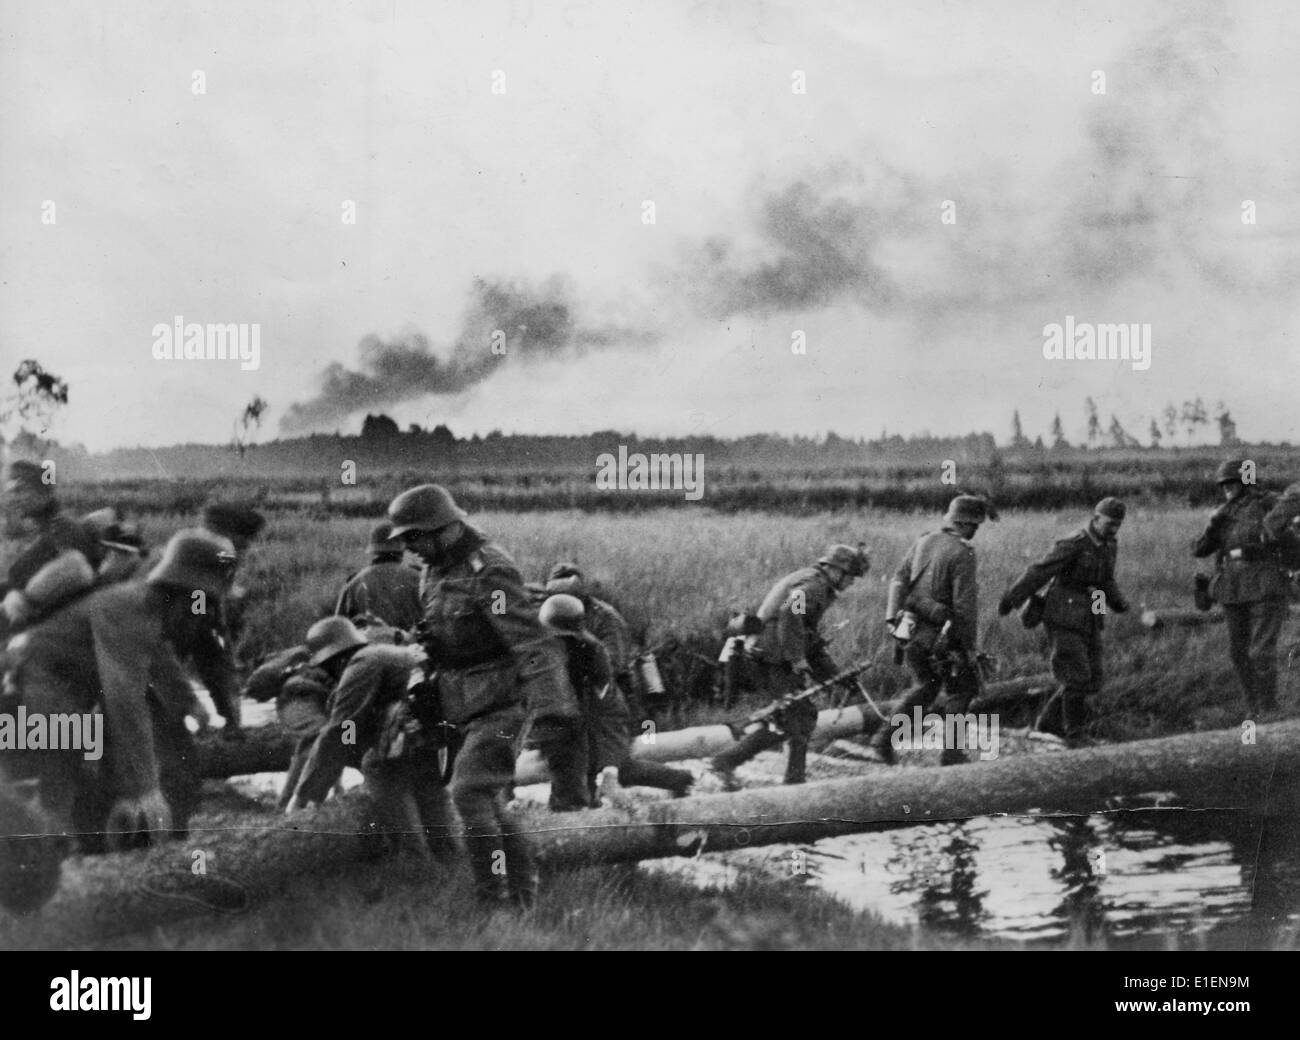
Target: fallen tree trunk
{"points": [[1177, 617], [116, 894], [267, 749]]}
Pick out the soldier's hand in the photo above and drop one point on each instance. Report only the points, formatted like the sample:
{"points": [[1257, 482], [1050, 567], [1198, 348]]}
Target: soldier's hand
{"points": [[1005, 606], [148, 814]]}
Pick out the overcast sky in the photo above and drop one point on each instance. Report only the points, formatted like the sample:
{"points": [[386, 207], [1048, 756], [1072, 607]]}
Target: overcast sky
{"points": [[774, 211]]}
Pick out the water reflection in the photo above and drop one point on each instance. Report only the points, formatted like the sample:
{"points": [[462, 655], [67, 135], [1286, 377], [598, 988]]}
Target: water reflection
{"points": [[1082, 855], [938, 865]]}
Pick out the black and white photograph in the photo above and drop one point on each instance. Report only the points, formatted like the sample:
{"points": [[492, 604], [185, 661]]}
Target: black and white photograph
{"points": [[651, 475]]}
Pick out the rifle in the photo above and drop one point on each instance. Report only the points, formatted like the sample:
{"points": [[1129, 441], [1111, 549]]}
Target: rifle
{"points": [[770, 715]]}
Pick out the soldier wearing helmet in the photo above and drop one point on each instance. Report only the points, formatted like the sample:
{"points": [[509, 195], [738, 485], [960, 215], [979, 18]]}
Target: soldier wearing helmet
{"points": [[499, 670], [935, 585], [606, 732], [790, 654], [603, 621], [115, 651], [386, 590], [1081, 571], [368, 686], [1250, 579]]}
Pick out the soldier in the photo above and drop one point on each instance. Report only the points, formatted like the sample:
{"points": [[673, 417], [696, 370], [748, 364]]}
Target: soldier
{"points": [[369, 683], [790, 654], [31, 511], [498, 670], [113, 653], [935, 584], [1080, 567], [605, 623], [240, 524], [1249, 580], [607, 723], [387, 589]]}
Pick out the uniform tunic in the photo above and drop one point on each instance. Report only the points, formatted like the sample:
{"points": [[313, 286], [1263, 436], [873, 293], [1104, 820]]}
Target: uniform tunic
{"points": [[1251, 583], [387, 589], [1079, 566]]}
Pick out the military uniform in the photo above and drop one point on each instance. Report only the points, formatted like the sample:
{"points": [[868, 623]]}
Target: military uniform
{"points": [[106, 653], [1251, 584], [409, 793], [499, 671], [936, 582], [388, 590], [791, 614], [607, 722], [1078, 566]]}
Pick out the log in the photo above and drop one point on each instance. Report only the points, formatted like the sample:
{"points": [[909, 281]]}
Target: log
{"points": [[267, 749], [131, 891], [1177, 617], [264, 749]]}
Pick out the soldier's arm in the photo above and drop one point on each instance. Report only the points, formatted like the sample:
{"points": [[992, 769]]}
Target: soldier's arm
{"points": [[505, 603], [1039, 574], [216, 667], [348, 704], [1210, 540], [965, 601]]}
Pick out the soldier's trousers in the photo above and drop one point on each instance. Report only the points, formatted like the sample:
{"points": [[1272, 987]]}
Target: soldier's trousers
{"points": [[562, 743], [929, 680], [1253, 630], [609, 743], [1076, 661], [412, 804], [798, 722], [500, 853]]}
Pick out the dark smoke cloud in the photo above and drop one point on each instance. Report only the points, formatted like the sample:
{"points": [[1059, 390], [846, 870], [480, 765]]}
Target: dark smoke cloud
{"points": [[813, 242], [536, 323]]}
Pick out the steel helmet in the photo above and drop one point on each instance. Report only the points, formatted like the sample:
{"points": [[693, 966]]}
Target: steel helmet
{"points": [[331, 636], [196, 559], [848, 559], [1229, 472], [563, 613], [424, 508]]}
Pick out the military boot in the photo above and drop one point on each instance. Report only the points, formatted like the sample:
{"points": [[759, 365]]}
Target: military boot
{"points": [[487, 863], [1075, 716]]}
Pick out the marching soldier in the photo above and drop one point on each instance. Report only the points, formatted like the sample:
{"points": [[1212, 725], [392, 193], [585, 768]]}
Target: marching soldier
{"points": [[115, 652], [1249, 580], [387, 589], [790, 654], [498, 670], [370, 684], [935, 585], [607, 722], [1079, 567]]}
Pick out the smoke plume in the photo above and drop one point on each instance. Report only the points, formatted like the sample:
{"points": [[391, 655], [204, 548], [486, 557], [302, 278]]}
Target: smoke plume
{"points": [[505, 323]]}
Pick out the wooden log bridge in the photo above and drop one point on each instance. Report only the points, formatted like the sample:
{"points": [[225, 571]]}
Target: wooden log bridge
{"points": [[267, 749], [127, 892]]}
